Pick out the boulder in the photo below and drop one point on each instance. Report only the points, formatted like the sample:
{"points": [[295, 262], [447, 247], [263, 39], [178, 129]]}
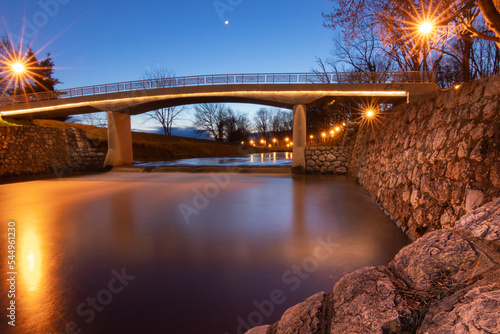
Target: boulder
{"points": [[437, 257], [483, 223], [308, 317], [366, 301], [474, 312], [258, 330]]}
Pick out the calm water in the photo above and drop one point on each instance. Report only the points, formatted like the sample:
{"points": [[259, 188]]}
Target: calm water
{"points": [[182, 253], [251, 160]]}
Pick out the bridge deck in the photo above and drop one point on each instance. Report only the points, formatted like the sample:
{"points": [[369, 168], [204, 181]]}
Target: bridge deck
{"points": [[280, 90]]}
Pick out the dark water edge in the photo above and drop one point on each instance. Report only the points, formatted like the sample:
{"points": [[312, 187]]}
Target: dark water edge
{"points": [[183, 253]]}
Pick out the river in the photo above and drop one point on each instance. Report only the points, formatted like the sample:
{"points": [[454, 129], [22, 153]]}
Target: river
{"points": [[182, 253]]}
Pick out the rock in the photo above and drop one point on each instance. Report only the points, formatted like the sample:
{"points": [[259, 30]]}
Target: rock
{"points": [[308, 317], [341, 170], [366, 301], [330, 158], [463, 150], [476, 312], [437, 256], [473, 199], [492, 87], [495, 174], [258, 330], [483, 223]]}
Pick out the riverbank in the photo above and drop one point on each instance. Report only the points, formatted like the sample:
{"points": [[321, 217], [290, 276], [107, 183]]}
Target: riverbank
{"points": [[445, 282], [157, 147], [48, 147]]}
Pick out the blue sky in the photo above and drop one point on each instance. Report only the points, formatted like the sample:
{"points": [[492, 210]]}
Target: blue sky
{"points": [[95, 42]]}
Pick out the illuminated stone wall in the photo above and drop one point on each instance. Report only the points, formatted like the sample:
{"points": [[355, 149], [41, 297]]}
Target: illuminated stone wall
{"points": [[430, 162], [328, 160], [32, 150]]}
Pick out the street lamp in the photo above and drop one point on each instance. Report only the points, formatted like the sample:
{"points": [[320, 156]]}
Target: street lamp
{"points": [[18, 68], [369, 113], [425, 28]]}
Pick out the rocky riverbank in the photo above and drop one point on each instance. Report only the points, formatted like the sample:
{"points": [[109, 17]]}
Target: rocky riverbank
{"points": [[448, 281]]}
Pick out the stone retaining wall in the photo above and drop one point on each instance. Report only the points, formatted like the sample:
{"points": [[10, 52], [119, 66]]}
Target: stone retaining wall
{"points": [[430, 162], [328, 160], [31, 150]]}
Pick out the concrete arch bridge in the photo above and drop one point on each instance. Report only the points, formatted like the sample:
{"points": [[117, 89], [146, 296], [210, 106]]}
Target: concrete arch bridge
{"points": [[296, 91]]}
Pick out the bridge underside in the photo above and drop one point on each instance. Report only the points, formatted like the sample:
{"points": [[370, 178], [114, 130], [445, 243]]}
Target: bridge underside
{"points": [[292, 96]]}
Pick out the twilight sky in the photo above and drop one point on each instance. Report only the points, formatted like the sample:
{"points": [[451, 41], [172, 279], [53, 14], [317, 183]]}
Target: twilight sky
{"points": [[105, 41]]}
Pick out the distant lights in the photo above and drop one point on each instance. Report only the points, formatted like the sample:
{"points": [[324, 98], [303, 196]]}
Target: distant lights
{"points": [[337, 129], [369, 113]]}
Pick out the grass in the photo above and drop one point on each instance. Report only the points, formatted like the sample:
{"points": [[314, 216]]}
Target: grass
{"points": [[5, 123], [156, 147]]}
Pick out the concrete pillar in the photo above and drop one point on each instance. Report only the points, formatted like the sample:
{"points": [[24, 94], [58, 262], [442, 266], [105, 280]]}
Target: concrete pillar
{"points": [[299, 139], [119, 140]]}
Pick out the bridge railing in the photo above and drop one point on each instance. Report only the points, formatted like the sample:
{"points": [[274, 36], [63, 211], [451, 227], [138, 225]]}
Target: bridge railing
{"points": [[227, 79]]}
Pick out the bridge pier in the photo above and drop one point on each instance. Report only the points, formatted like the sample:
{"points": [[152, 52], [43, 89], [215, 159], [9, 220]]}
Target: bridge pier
{"points": [[299, 139], [119, 140]]}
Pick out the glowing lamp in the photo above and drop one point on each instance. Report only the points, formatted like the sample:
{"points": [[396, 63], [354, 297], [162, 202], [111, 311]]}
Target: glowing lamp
{"points": [[425, 27], [18, 68]]}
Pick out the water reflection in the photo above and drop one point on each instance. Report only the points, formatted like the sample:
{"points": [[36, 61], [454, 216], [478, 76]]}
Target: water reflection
{"points": [[30, 261], [197, 270], [267, 159]]}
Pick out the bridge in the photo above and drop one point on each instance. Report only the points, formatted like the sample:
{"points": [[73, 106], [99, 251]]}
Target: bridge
{"points": [[296, 91]]}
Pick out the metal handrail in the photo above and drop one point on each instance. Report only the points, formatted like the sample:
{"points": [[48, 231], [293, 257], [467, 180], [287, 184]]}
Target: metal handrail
{"points": [[227, 79]]}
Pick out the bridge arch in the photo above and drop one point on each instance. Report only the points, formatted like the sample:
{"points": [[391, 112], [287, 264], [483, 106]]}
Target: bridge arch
{"points": [[295, 91]]}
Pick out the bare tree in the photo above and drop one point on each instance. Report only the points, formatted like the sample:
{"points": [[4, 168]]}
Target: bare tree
{"points": [[164, 116], [282, 123], [237, 126], [211, 117], [263, 120]]}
